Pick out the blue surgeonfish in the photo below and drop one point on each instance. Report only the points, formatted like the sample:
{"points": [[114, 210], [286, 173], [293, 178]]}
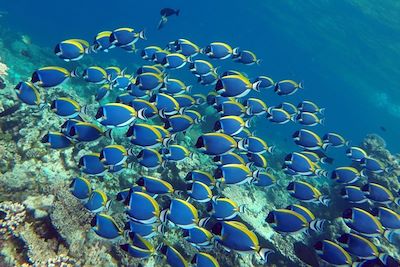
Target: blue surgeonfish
{"points": [[298, 164], [202, 259], [144, 230], [314, 223], [28, 93], [139, 248], [359, 246], [362, 222], [317, 156], [334, 140], [353, 194], [266, 82], [57, 140], [178, 123], [103, 91], [156, 69], [309, 106], [208, 79], [181, 213], [125, 98], [217, 50], [149, 81], [184, 47], [306, 192], [255, 107], [115, 115], [51, 76], [175, 153], [141, 207], [229, 158], [372, 165], [95, 74], [185, 101], [80, 188], [346, 175], [106, 227], [155, 185], [148, 52], [174, 61], [86, 132], [102, 41], [230, 125], [231, 108], [68, 124], [201, 176], [112, 155], [123, 37], [389, 219], [287, 221], [144, 108], [307, 139], [233, 174], [233, 235], [224, 208], [199, 192], [97, 201], [159, 56], [308, 119], [149, 158], [121, 82], [332, 253], [263, 179], [356, 153], [245, 57], [91, 164], [199, 237], [278, 115], [113, 72], [175, 87], [72, 49], [123, 195], [134, 90], [216, 144], [289, 108], [200, 99], [144, 135], [201, 67], [254, 145], [195, 115], [287, 87], [379, 194], [166, 104], [65, 107], [174, 257], [235, 86]]}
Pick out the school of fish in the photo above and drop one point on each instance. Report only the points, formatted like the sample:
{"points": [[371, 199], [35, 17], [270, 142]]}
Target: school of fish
{"points": [[155, 107]]}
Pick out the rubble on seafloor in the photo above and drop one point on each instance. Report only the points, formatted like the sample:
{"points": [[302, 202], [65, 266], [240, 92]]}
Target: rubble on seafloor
{"points": [[42, 224]]}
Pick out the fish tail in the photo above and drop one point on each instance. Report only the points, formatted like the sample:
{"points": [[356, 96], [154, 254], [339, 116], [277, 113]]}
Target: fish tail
{"points": [[236, 51], [389, 234], [301, 85], [258, 61], [189, 88], [324, 200], [264, 253], [242, 208], [256, 86], [142, 35], [321, 111], [108, 134], [397, 201], [317, 225], [322, 121], [177, 12], [75, 73], [271, 149], [383, 257]]}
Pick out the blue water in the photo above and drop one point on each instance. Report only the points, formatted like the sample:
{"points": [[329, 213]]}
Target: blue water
{"points": [[344, 51]]}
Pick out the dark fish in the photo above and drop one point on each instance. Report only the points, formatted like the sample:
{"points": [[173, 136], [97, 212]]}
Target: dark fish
{"points": [[10, 110], [166, 12], [2, 83], [306, 254], [383, 129]]}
